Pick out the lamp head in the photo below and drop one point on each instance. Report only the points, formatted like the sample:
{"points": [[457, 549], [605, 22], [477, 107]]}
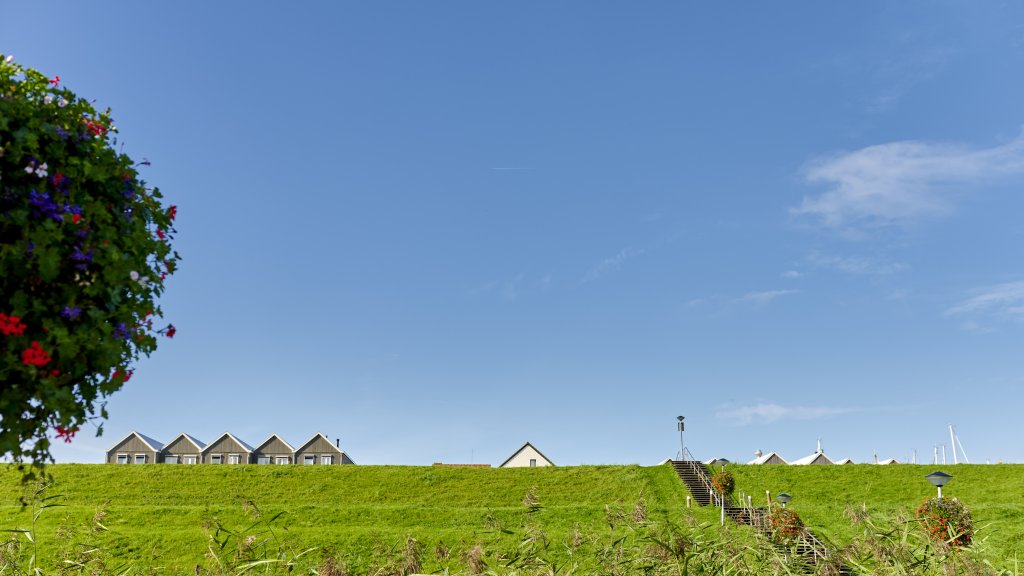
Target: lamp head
{"points": [[939, 478], [784, 497]]}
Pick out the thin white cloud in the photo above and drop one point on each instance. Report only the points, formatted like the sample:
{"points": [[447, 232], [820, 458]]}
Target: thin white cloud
{"points": [[766, 296], [766, 413], [901, 182], [791, 274], [1001, 302], [611, 264], [858, 265], [514, 288], [896, 77]]}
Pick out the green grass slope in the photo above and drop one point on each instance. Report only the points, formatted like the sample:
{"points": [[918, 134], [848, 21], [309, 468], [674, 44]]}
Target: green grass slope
{"points": [[156, 514], [993, 493]]}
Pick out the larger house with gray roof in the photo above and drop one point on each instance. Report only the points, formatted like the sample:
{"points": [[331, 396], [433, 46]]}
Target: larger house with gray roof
{"points": [[227, 449], [135, 448], [184, 449]]}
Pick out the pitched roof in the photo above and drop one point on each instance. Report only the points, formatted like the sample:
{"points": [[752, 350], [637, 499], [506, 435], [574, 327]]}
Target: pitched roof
{"points": [[153, 444], [845, 461], [244, 446], [815, 458], [271, 437], [188, 437], [313, 439], [766, 457], [890, 461], [516, 453]]}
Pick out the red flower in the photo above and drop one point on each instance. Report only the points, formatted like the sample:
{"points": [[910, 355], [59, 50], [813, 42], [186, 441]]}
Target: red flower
{"points": [[66, 433], [172, 212], [11, 325], [54, 373], [55, 81], [95, 127], [75, 218], [160, 234], [123, 377], [171, 331], [35, 355]]}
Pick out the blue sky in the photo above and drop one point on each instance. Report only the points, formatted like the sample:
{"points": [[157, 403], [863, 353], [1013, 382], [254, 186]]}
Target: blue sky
{"points": [[439, 230]]}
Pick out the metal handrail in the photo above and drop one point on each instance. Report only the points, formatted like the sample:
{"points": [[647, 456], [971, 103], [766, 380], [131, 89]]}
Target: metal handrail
{"points": [[817, 546]]}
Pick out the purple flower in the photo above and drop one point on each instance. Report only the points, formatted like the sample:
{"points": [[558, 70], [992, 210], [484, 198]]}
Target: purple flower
{"points": [[81, 259], [43, 206], [121, 331], [29, 250], [70, 313]]}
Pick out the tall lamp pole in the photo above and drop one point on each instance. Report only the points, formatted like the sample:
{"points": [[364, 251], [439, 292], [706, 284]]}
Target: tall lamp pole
{"points": [[682, 446]]}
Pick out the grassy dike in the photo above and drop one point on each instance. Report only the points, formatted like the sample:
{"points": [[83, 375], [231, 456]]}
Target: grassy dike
{"points": [[159, 517], [156, 514], [994, 494]]}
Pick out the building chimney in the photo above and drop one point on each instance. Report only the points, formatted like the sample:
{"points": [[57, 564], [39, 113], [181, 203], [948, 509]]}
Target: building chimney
{"points": [[758, 453], [337, 442]]}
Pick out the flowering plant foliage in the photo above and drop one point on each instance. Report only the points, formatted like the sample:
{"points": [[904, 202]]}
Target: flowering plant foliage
{"points": [[723, 482], [785, 524], [946, 520], [85, 249]]}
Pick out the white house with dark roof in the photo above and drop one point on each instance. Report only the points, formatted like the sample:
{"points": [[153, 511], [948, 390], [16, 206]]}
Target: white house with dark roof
{"points": [[526, 457]]}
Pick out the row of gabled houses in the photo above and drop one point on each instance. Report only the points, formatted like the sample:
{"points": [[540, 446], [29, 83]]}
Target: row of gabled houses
{"points": [[136, 448], [818, 458]]}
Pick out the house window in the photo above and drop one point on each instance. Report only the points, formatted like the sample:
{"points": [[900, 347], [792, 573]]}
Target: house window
{"points": [[263, 460], [140, 458], [122, 458], [328, 459], [233, 459], [533, 462], [309, 459], [282, 460], [215, 459], [170, 459], [189, 459]]}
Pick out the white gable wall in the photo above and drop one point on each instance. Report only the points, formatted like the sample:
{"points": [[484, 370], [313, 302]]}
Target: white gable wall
{"points": [[523, 457]]}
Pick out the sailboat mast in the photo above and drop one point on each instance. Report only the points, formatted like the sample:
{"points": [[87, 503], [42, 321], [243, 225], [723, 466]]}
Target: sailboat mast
{"points": [[952, 443]]}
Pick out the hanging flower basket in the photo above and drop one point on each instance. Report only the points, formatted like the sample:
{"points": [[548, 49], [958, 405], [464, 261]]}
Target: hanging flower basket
{"points": [[723, 483], [946, 520]]}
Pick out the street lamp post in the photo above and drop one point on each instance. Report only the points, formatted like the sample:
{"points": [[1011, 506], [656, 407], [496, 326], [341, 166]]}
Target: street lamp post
{"points": [[682, 446], [784, 498], [939, 479]]}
